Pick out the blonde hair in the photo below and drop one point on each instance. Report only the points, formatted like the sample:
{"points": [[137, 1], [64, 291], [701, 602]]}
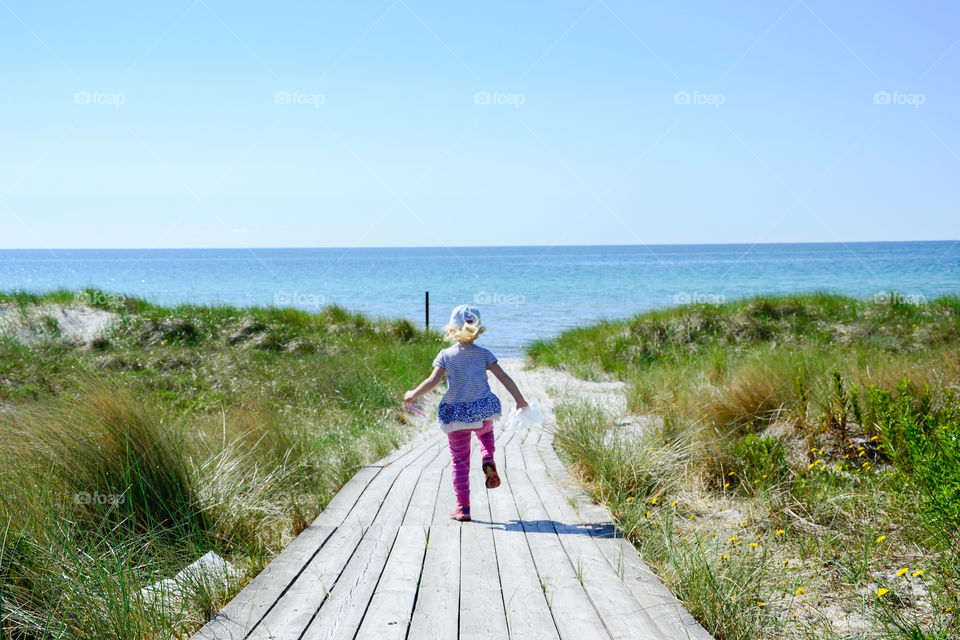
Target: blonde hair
{"points": [[466, 334]]}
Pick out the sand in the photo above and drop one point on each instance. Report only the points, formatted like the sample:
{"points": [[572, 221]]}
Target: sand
{"points": [[77, 323]]}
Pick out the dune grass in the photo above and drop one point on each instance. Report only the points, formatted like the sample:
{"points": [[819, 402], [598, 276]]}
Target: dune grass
{"points": [[182, 430], [797, 470]]}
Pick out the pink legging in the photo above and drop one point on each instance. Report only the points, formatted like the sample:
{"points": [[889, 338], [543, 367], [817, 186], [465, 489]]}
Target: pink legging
{"points": [[460, 452]]}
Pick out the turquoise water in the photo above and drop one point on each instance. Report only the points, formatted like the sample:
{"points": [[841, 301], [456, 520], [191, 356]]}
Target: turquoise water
{"points": [[524, 292]]}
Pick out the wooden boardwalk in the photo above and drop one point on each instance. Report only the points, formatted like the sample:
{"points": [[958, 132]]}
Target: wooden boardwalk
{"points": [[384, 561]]}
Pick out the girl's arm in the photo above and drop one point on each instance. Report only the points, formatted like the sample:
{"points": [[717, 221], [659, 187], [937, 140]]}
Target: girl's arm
{"points": [[508, 382], [426, 386]]}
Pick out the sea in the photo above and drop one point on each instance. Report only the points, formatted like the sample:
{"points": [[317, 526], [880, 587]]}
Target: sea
{"points": [[523, 293]]}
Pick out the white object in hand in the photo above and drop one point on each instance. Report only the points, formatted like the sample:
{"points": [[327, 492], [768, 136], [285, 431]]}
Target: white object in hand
{"points": [[520, 419]]}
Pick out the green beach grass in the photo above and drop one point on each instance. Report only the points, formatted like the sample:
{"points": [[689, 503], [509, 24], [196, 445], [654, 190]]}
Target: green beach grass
{"points": [[176, 432], [790, 465]]}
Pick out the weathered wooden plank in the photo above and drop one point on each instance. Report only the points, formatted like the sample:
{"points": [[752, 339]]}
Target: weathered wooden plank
{"points": [[390, 610], [481, 603], [667, 612], [528, 615], [409, 450], [622, 613], [446, 501], [574, 613], [424, 500], [437, 610], [340, 614], [294, 611], [241, 614]]}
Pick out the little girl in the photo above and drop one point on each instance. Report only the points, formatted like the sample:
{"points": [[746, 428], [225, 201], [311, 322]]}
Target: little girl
{"points": [[468, 406]]}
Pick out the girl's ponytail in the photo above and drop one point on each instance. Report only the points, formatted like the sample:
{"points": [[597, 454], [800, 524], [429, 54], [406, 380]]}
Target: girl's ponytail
{"points": [[466, 334]]}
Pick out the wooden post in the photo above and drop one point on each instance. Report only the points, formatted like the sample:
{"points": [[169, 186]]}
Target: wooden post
{"points": [[426, 305]]}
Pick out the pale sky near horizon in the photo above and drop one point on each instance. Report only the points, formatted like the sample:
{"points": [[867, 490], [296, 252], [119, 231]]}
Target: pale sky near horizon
{"points": [[206, 123]]}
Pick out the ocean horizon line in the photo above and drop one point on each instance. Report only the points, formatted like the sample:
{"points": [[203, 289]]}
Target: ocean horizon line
{"points": [[493, 246]]}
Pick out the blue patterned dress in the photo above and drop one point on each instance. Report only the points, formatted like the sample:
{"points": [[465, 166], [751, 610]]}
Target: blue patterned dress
{"points": [[468, 400]]}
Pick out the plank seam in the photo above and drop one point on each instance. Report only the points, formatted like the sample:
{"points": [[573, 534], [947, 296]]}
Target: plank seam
{"points": [[565, 551], [526, 539], [372, 522]]}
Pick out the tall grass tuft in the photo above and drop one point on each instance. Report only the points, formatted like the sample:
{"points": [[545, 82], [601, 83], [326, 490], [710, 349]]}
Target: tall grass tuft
{"points": [[120, 463]]}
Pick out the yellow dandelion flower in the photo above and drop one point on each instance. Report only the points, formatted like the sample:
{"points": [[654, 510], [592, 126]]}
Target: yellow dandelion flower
{"points": [[730, 474], [673, 504], [761, 603], [630, 499], [793, 615], [901, 572], [881, 538], [860, 454], [754, 544], [732, 539], [764, 476], [780, 532], [917, 573], [881, 591], [685, 538], [691, 516], [799, 591], [724, 557], [715, 534], [874, 438], [786, 562], [726, 484], [814, 450], [647, 513], [650, 449], [616, 450], [654, 501]]}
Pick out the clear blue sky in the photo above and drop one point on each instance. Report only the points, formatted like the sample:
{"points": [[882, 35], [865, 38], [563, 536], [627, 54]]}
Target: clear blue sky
{"points": [[585, 140]]}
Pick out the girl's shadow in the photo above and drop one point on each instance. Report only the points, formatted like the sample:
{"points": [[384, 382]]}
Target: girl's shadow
{"points": [[598, 530]]}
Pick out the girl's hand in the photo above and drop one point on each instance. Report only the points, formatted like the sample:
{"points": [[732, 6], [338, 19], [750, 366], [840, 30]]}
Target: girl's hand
{"points": [[409, 396], [521, 405]]}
